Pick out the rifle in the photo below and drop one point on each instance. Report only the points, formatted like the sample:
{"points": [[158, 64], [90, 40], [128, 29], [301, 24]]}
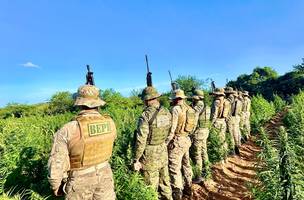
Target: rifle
{"points": [[149, 74], [212, 85], [174, 85], [89, 77]]}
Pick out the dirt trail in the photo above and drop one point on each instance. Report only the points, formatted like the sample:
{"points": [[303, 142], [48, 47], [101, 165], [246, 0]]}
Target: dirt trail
{"points": [[230, 180]]}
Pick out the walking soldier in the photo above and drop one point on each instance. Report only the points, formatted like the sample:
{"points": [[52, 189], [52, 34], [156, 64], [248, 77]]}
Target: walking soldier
{"points": [[200, 136], [81, 150], [219, 112], [183, 119], [151, 154]]}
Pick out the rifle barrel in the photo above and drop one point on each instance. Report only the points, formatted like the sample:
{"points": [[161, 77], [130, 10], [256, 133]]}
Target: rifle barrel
{"points": [[147, 63], [170, 76]]}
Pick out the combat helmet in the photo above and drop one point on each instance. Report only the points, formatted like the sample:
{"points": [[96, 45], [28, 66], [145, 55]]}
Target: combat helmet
{"points": [[178, 94], [198, 94], [219, 92], [88, 95], [149, 93]]}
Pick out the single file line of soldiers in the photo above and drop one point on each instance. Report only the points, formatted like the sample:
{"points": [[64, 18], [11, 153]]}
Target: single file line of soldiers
{"points": [[164, 137], [78, 165]]}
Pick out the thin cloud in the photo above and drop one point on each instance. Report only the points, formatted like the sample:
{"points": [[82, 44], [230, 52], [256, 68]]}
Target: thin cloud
{"points": [[30, 65]]}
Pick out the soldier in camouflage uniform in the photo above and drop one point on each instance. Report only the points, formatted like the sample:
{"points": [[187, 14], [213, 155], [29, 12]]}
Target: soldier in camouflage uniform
{"points": [[242, 115], [81, 150], [200, 136], [179, 144], [151, 154], [219, 112], [246, 112], [233, 119]]}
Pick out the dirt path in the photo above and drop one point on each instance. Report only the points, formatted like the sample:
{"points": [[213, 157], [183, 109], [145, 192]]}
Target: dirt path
{"points": [[231, 180]]}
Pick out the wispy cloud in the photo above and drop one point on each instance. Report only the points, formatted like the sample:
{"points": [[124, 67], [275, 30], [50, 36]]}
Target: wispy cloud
{"points": [[30, 65]]}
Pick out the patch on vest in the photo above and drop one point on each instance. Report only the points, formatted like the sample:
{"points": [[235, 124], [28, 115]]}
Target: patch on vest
{"points": [[99, 128]]}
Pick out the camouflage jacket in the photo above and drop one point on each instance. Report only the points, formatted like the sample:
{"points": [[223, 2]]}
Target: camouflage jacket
{"points": [[152, 131]]}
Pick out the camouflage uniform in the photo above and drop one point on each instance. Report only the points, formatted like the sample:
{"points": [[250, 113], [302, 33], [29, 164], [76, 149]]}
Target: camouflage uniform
{"points": [[219, 112], [246, 111], [179, 161], [200, 136], [241, 98], [82, 158], [151, 149], [233, 119]]}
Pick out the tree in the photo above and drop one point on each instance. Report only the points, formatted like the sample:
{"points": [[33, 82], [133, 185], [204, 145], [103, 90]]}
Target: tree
{"points": [[299, 67], [61, 102], [186, 83]]}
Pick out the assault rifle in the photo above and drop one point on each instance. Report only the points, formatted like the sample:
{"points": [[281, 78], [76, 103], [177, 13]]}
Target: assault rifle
{"points": [[149, 74], [90, 78], [174, 85], [212, 85]]}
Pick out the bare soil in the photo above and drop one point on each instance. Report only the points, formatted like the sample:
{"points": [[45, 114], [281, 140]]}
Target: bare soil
{"points": [[232, 179]]}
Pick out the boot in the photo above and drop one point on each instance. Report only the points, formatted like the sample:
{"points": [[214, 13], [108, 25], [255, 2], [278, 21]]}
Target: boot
{"points": [[237, 150], [188, 190], [177, 194], [198, 180]]}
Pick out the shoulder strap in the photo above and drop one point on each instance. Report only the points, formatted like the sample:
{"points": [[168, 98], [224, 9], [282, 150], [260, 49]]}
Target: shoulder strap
{"points": [[154, 115]]}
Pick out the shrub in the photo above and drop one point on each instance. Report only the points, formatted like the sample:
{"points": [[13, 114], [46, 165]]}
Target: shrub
{"points": [[261, 111]]}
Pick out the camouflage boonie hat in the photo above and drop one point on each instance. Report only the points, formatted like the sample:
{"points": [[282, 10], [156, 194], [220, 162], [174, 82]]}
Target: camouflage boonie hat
{"points": [[246, 93], [88, 95], [229, 90], [198, 94], [149, 93], [219, 92], [178, 94]]}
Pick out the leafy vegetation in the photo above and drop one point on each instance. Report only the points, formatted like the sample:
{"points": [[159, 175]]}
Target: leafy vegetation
{"points": [[267, 82], [261, 111], [281, 174], [26, 135]]}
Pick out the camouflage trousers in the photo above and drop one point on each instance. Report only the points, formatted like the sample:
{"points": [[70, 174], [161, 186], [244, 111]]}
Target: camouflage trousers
{"points": [[155, 170], [96, 185], [247, 128], [199, 152], [179, 162], [221, 127], [234, 130]]}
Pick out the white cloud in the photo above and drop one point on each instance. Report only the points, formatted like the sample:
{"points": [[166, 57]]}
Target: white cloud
{"points": [[30, 65]]}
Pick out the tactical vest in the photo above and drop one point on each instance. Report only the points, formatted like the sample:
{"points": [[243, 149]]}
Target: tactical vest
{"points": [[226, 108], [204, 117], [186, 120], [220, 108], [159, 127], [237, 108], [94, 143], [246, 107]]}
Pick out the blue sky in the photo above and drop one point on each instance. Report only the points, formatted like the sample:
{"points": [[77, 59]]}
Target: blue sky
{"points": [[45, 45]]}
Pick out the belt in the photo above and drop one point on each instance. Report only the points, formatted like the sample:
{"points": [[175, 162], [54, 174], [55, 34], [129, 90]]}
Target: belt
{"points": [[89, 170]]}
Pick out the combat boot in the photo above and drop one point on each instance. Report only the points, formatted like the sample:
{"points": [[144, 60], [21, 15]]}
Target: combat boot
{"points": [[177, 194], [188, 190], [237, 150]]}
